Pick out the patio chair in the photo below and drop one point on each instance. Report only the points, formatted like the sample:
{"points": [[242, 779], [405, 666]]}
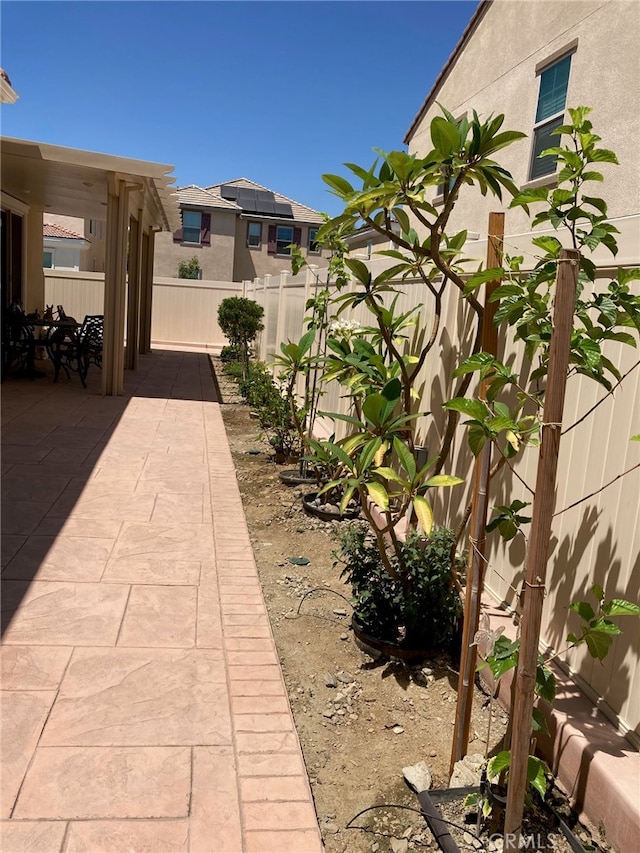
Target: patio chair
{"points": [[18, 342], [75, 348]]}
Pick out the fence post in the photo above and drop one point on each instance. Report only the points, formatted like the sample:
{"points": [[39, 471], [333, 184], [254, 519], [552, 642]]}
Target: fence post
{"points": [[539, 539], [280, 324], [264, 340]]}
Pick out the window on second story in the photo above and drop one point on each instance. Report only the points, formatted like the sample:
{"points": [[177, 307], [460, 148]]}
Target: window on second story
{"points": [[47, 259], [281, 237], [552, 99], [314, 246], [196, 228], [254, 235]]}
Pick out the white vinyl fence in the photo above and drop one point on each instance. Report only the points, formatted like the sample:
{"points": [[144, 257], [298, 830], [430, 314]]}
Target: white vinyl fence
{"points": [[185, 311]]}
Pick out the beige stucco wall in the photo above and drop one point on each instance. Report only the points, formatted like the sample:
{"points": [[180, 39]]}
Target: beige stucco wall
{"points": [[250, 263], [496, 74], [216, 260]]}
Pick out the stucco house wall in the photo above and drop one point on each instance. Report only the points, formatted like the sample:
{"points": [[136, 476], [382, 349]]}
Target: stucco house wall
{"points": [[496, 73], [215, 259]]}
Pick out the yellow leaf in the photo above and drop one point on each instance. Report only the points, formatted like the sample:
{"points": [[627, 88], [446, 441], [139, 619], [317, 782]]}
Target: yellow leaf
{"points": [[379, 457], [513, 439], [378, 495], [424, 512]]}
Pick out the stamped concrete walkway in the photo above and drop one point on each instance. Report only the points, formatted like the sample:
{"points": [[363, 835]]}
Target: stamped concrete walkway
{"points": [[143, 705]]}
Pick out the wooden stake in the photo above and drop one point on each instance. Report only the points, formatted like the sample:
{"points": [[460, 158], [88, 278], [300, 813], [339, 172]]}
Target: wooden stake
{"points": [[543, 506], [480, 497]]}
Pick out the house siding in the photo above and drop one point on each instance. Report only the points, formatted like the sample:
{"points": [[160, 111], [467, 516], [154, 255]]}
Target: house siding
{"points": [[496, 73], [216, 259]]}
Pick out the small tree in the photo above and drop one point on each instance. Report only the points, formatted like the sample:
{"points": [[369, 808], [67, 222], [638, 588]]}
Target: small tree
{"points": [[189, 269], [240, 321]]}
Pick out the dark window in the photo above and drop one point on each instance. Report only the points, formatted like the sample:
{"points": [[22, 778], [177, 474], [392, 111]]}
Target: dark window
{"points": [[254, 234], [552, 99], [191, 223], [284, 239], [196, 228], [314, 247]]}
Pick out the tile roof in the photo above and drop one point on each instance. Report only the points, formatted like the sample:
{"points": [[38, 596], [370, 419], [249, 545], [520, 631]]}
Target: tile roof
{"points": [[51, 230], [203, 198], [301, 212]]}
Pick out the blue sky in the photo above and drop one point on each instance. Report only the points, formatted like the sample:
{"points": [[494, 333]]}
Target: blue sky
{"points": [[279, 92]]}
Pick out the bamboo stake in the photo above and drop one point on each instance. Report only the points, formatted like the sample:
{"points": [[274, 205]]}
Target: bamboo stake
{"points": [[476, 559], [543, 506]]}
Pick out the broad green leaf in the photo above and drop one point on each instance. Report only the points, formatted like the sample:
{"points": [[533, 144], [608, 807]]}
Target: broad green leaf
{"points": [[360, 270], [373, 409], [602, 155], [598, 591], [539, 721], [406, 457], [545, 686], [306, 341], [620, 607], [340, 186], [598, 644], [424, 513], [390, 474], [583, 609], [498, 763], [444, 135], [536, 769], [473, 408]]}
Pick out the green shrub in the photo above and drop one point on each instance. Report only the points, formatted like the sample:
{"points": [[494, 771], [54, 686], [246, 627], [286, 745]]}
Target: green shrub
{"points": [[273, 410], [421, 607], [229, 354], [189, 269], [240, 320]]}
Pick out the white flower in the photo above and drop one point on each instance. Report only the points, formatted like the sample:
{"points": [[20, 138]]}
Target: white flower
{"points": [[345, 329]]}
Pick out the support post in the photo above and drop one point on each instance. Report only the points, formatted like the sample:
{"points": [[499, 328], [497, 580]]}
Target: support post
{"points": [[133, 292], [480, 498], [535, 577], [146, 306], [115, 284]]}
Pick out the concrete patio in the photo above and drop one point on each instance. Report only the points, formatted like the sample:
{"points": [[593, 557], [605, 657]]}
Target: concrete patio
{"points": [[143, 704]]}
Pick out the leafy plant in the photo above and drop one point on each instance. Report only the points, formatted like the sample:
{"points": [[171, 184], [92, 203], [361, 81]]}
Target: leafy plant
{"points": [[420, 607], [266, 399], [502, 655], [190, 269], [240, 320]]}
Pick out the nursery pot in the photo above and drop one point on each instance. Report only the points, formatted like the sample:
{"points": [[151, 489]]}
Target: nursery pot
{"points": [[334, 514], [389, 649], [293, 477]]}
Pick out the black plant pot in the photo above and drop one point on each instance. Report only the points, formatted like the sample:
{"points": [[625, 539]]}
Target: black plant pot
{"points": [[389, 649], [333, 514], [293, 477]]}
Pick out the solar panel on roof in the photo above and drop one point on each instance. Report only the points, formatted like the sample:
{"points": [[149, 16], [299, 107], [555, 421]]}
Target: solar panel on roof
{"points": [[281, 209], [246, 192], [248, 204], [265, 195], [229, 192], [267, 207]]}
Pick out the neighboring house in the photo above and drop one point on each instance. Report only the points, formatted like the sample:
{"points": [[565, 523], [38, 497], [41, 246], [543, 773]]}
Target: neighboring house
{"points": [[366, 242], [62, 247], [237, 230]]}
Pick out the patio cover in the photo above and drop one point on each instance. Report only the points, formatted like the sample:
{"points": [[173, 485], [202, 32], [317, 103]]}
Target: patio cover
{"points": [[135, 198]]}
